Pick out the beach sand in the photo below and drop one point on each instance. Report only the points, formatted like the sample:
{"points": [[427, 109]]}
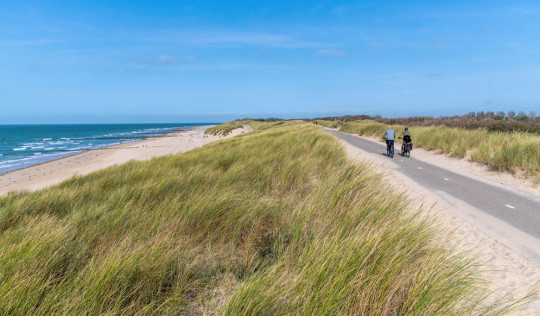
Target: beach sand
{"points": [[53, 172], [504, 263]]}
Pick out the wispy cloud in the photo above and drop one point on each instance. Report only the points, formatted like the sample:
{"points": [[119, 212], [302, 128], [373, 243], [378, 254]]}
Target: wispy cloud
{"points": [[257, 39], [331, 52], [375, 46], [339, 10], [168, 60], [434, 74], [441, 42], [394, 75], [36, 42], [188, 65], [517, 9], [521, 48], [234, 39]]}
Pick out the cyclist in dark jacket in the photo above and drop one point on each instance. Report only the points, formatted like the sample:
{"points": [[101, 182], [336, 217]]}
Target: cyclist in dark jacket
{"points": [[406, 135]]}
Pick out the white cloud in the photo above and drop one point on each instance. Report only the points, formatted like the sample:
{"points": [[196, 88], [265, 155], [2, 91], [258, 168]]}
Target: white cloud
{"points": [[166, 59], [331, 52], [190, 58]]}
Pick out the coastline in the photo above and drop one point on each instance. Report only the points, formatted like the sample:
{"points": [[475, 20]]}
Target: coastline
{"points": [[52, 172], [61, 141]]}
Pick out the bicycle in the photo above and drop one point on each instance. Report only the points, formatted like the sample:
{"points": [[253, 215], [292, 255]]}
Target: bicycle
{"points": [[406, 149], [389, 148]]}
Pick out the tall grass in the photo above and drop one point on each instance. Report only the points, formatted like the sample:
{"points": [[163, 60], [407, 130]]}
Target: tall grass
{"points": [[512, 151], [276, 221], [224, 129]]}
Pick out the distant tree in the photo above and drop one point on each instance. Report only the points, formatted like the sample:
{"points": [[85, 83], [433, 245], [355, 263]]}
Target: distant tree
{"points": [[480, 114], [500, 115], [471, 114], [522, 116], [532, 115], [490, 114], [511, 114]]}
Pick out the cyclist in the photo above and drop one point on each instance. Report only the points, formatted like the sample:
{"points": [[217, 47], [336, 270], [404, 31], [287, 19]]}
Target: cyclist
{"points": [[406, 135], [390, 136]]}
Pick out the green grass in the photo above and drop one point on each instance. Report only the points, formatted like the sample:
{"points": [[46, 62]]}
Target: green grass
{"points": [[276, 221], [513, 151]]}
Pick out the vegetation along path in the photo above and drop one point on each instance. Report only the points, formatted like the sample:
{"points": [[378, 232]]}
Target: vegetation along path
{"points": [[502, 210]]}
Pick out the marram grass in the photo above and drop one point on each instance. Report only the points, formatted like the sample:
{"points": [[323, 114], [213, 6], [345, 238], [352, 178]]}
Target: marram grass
{"points": [[224, 129], [513, 151], [272, 222]]}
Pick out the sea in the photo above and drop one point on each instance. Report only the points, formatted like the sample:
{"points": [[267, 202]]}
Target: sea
{"points": [[22, 146]]}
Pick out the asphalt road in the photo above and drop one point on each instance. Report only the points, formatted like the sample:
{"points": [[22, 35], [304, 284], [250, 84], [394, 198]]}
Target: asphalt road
{"points": [[519, 209]]}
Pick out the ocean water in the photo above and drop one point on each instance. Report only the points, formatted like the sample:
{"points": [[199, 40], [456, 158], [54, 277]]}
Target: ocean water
{"points": [[22, 146]]}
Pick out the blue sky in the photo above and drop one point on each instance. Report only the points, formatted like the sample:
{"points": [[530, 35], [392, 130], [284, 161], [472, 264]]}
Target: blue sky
{"points": [[185, 61]]}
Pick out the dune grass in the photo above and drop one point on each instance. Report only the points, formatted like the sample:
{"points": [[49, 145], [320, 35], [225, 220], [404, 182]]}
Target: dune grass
{"points": [[326, 123], [272, 222], [513, 151], [224, 129]]}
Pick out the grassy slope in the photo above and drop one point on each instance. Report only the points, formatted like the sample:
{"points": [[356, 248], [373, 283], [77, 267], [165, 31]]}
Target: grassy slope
{"points": [[271, 222], [501, 150], [224, 129]]}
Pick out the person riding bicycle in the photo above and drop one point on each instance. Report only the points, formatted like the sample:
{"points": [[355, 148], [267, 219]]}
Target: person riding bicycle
{"points": [[390, 136], [406, 135]]}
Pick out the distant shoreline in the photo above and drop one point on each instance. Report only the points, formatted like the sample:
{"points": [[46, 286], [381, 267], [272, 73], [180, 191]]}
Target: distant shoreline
{"points": [[54, 172], [84, 143]]}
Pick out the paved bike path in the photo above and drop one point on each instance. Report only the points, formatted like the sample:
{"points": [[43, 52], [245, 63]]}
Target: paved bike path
{"points": [[517, 208]]}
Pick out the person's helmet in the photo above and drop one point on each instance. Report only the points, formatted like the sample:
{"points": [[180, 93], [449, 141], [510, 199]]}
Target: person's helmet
{"points": [[406, 128]]}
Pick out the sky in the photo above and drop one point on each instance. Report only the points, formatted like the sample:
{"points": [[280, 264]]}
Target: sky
{"points": [[212, 61]]}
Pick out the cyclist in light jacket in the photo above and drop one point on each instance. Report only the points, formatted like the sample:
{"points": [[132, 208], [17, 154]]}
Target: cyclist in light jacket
{"points": [[390, 136]]}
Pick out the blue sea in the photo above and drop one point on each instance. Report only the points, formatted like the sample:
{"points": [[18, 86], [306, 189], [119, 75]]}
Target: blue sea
{"points": [[22, 146]]}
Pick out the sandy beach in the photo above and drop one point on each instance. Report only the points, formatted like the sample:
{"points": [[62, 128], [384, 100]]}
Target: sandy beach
{"points": [[53, 172]]}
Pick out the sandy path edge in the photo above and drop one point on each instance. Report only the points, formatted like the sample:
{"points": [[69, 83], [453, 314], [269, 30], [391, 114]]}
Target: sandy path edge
{"points": [[509, 270], [53, 172]]}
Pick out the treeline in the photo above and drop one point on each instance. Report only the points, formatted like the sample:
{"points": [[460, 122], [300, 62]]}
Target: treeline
{"points": [[492, 121]]}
